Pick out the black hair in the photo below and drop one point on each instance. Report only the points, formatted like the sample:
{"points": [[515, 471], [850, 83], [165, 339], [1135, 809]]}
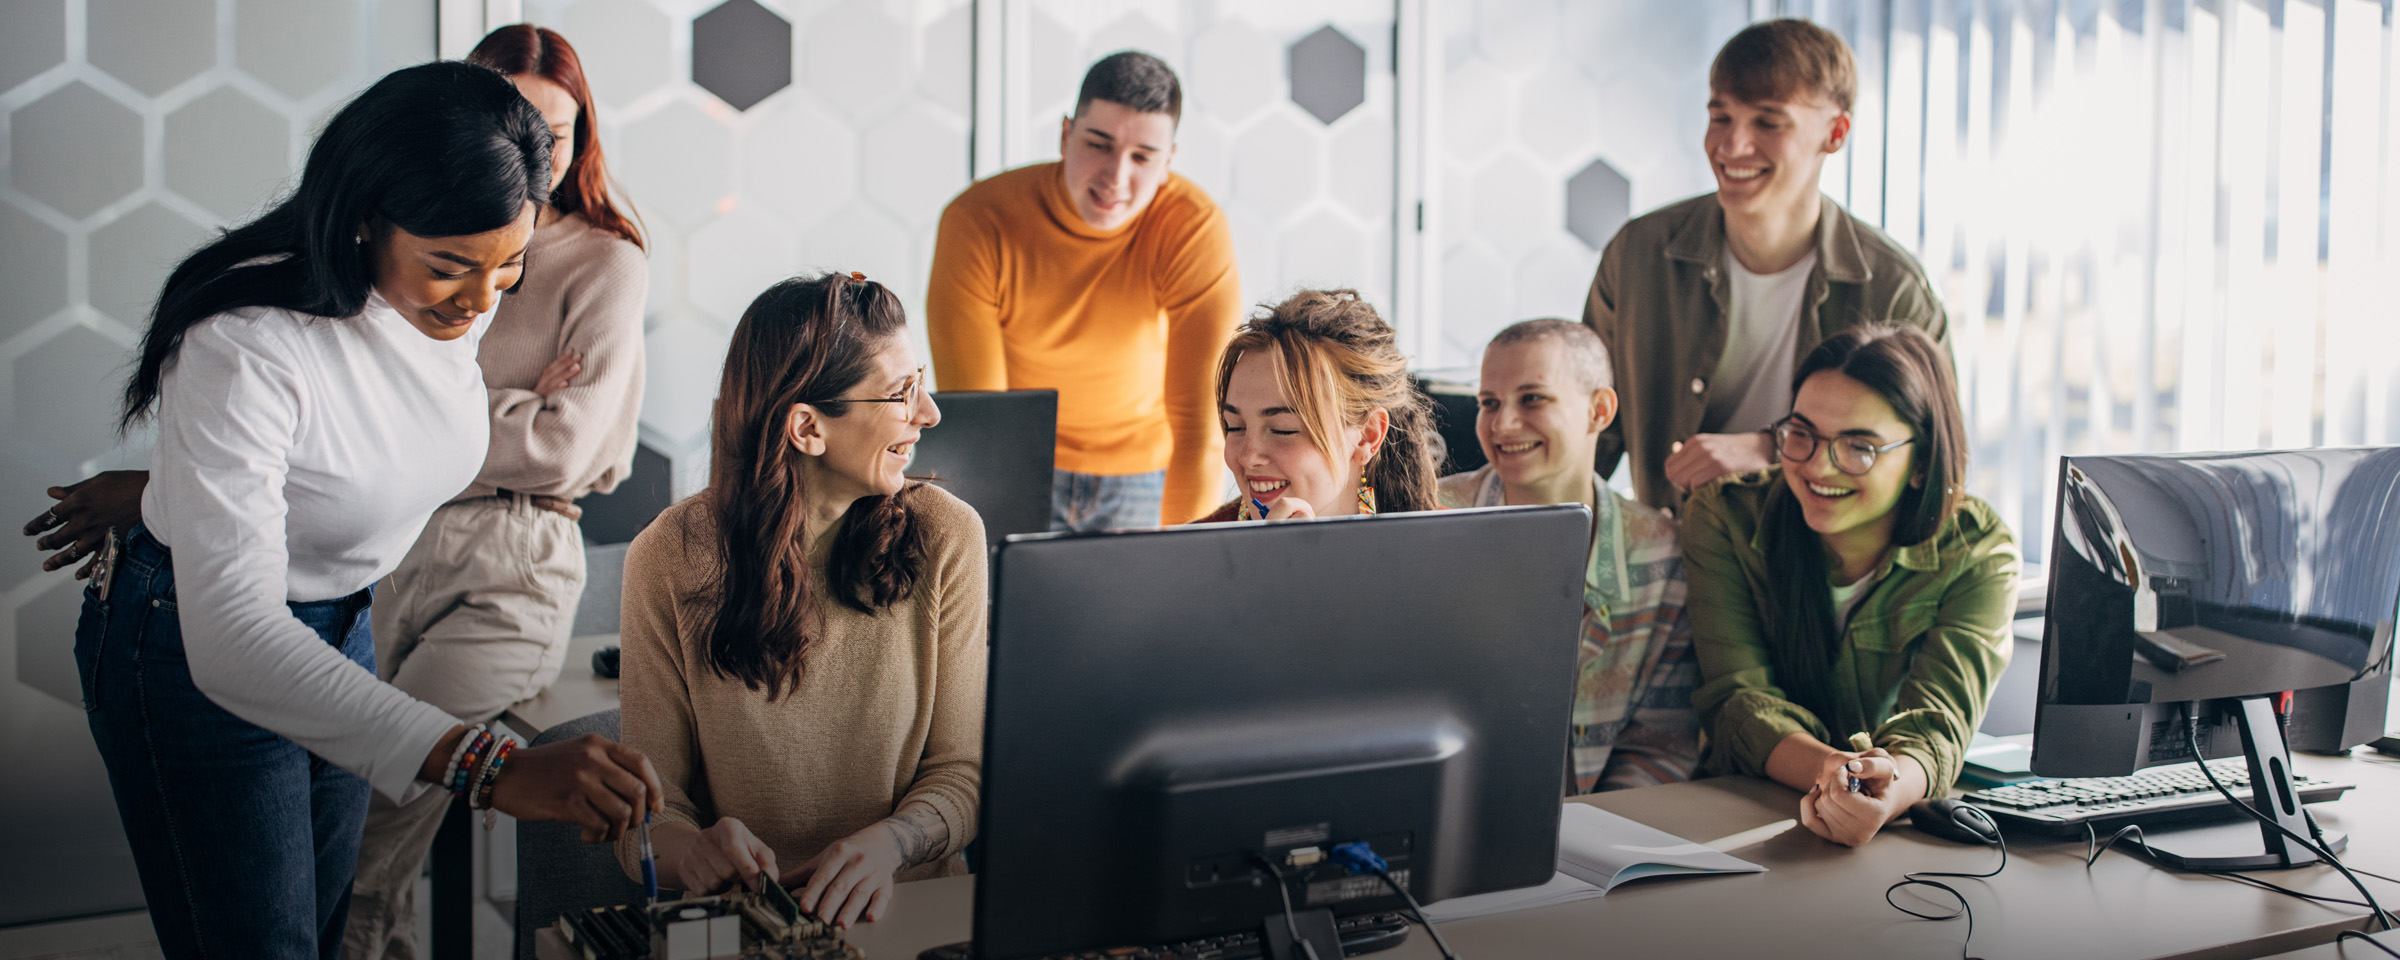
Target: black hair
{"points": [[1910, 371], [1135, 79], [442, 149]]}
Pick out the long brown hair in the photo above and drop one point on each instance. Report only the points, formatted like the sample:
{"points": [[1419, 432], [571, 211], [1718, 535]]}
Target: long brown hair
{"points": [[805, 340], [522, 48], [1911, 372], [1337, 361]]}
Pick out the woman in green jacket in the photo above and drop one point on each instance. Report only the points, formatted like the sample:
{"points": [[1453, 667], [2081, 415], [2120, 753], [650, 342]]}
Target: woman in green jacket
{"points": [[1857, 670]]}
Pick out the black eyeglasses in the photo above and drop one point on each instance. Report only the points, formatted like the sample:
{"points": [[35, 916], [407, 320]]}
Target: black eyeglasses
{"points": [[907, 397], [1852, 455]]}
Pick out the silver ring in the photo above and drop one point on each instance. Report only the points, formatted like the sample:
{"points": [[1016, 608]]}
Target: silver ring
{"points": [[48, 519]]}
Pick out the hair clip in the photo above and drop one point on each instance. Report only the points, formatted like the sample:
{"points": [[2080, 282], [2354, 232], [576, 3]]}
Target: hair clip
{"points": [[860, 277]]}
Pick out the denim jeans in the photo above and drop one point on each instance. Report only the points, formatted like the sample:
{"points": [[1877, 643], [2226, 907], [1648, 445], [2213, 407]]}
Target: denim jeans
{"points": [[1092, 503], [245, 842]]}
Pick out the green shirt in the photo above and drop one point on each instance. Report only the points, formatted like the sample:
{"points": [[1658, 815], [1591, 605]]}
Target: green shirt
{"points": [[1919, 656]]}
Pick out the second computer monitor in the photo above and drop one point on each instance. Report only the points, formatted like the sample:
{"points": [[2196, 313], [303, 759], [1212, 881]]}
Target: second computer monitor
{"points": [[994, 449], [1168, 706]]}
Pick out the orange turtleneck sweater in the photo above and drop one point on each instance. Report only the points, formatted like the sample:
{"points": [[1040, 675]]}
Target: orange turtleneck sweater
{"points": [[1125, 324]]}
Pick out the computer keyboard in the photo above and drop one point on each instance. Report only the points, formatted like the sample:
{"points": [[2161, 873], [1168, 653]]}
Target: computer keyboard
{"points": [[1365, 933], [2157, 796]]}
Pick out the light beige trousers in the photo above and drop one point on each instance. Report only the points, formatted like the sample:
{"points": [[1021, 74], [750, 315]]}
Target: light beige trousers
{"points": [[475, 618]]}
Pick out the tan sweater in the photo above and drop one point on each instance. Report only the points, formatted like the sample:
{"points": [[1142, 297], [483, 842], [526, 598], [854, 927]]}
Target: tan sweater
{"points": [[888, 709], [583, 291]]}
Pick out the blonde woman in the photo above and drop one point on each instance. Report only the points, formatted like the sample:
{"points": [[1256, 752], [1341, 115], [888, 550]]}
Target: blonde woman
{"points": [[1320, 416]]}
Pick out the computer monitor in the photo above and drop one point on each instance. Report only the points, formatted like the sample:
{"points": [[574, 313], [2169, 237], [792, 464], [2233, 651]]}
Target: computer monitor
{"points": [[994, 449], [2202, 584], [1167, 705]]}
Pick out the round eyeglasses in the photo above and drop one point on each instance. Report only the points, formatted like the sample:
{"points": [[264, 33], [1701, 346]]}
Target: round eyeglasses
{"points": [[907, 398], [1852, 455]]}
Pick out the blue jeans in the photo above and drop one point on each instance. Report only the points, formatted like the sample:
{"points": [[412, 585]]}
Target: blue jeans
{"points": [[245, 842], [1092, 503]]}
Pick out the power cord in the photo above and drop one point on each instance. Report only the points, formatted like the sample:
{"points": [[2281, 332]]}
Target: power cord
{"points": [[2093, 847], [1289, 923], [2191, 736], [1965, 909], [2363, 938], [1357, 857]]}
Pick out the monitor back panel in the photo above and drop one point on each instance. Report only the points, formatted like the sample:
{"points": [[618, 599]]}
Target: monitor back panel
{"points": [[994, 449], [1150, 689]]}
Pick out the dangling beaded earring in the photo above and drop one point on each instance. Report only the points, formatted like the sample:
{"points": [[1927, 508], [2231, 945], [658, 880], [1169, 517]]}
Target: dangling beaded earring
{"points": [[1366, 496]]}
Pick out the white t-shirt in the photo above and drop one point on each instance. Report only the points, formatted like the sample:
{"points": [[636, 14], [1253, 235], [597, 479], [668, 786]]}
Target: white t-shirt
{"points": [[1845, 599], [297, 459], [1752, 387]]}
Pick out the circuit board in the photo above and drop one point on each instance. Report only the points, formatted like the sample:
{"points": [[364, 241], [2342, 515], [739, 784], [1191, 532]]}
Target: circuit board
{"points": [[771, 926]]}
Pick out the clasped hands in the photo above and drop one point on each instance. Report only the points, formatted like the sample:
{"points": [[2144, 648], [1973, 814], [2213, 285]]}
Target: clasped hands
{"points": [[848, 882], [1888, 785]]}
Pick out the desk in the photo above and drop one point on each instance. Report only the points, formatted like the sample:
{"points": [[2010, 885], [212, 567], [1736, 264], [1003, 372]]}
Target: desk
{"points": [[1821, 900], [2351, 950]]}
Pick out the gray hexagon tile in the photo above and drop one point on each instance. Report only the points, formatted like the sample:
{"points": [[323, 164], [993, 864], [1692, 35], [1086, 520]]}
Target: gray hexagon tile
{"points": [[1277, 165], [75, 150], [1474, 114], [856, 58], [1362, 167], [1553, 281], [1599, 200], [947, 74], [1233, 71], [913, 163], [742, 52], [626, 47], [1558, 112], [1516, 205], [131, 257], [678, 163], [735, 257], [46, 641], [1324, 251], [152, 45], [283, 42], [1329, 74], [33, 38], [33, 270], [800, 161], [1517, 34], [65, 394], [227, 152]]}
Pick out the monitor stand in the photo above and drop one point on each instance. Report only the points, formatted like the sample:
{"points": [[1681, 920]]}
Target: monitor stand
{"points": [[2237, 846]]}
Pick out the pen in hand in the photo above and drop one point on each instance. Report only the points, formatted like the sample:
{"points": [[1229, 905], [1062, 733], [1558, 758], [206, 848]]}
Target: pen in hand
{"points": [[1859, 743]]}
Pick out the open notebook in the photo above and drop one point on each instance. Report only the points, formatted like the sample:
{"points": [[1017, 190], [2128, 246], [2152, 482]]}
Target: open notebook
{"points": [[1596, 851]]}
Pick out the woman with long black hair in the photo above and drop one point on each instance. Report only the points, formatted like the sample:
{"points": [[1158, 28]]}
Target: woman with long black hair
{"points": [[313, 378]]}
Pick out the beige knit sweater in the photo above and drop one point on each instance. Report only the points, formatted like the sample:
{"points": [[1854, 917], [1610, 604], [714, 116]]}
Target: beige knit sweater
{"points": [[583, 291], [889, 707]]}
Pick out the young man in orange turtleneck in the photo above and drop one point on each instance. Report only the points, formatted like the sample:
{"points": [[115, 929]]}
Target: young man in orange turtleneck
{"points": [[1110, 279]]}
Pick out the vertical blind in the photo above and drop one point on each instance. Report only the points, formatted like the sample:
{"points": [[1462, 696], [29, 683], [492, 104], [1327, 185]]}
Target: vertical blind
{"points": [[2158, 225]]}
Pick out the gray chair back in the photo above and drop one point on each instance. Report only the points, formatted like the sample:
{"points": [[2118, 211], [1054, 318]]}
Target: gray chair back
{"points": [[557, 871]]}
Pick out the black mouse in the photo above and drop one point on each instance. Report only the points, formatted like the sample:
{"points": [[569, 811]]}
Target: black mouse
{"points": [[604, 663], [1955, 821]]}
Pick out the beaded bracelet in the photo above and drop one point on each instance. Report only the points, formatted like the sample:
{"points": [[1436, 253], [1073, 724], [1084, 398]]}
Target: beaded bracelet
{"points": [[450, 771], [482, 798], [480, 749]]}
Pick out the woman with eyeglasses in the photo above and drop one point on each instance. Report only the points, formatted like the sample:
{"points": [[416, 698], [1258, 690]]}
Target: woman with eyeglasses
{"points": [[804, 639], [1850, 605]]}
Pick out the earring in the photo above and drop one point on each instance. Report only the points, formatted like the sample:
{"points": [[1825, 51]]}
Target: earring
{"points": [[1366, 496]]}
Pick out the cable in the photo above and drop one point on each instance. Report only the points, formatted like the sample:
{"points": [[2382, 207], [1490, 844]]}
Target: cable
{"points": [[2093, 847], [1965, 909], [2191, 735], [1289, 923], [1358, 857], [2363, 938], [2371, 873]]}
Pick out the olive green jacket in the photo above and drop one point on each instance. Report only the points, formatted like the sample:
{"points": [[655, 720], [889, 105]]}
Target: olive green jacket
{"points": [[1919, 657], [1658, 302]]}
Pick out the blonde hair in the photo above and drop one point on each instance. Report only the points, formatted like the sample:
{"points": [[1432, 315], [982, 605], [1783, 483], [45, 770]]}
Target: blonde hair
{"points": [[1337, 362]]}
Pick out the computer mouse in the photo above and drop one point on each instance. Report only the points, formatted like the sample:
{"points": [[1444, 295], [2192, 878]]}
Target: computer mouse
{"points": [[604, 662], [1955, 821]]}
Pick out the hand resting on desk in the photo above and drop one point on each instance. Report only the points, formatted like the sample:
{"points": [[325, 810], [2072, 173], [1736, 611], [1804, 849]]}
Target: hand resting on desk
{"points": [[1888, 785]]}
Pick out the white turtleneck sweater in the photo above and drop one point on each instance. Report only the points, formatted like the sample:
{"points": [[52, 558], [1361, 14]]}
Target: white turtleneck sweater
{"points": [[297, 459]]}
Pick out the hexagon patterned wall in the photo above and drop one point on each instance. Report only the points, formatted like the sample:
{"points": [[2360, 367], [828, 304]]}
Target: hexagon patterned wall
{"points": [[132, 128], [1560, 118]]}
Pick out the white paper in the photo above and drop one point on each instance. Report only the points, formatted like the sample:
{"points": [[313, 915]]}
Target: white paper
{"points": [[1597, 850]]}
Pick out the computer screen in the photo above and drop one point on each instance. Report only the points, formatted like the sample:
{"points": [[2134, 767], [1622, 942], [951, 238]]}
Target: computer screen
{"points": [[1166, 705], [2185, 579], [994, 449]]}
